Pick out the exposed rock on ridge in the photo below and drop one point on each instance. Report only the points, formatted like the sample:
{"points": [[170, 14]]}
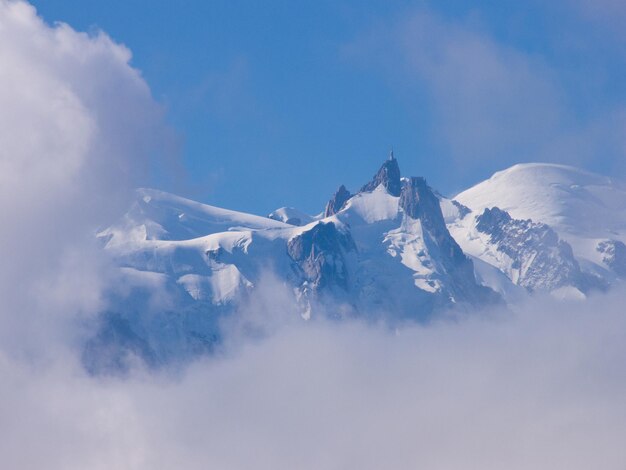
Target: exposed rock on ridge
{"points": [[419, 202], [319, 256], [388, 175], [614, 256], [337, 201], [540, 260]]}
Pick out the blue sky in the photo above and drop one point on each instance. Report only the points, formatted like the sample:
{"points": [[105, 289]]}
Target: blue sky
{"points": [[277, 102]]}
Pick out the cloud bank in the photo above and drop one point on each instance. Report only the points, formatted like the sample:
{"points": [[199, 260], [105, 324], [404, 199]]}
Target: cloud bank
{"points": [[541, 388], [78, 128]]}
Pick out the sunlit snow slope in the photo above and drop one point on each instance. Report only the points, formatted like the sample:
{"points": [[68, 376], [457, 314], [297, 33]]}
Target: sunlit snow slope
{"points": [[585, 210]]}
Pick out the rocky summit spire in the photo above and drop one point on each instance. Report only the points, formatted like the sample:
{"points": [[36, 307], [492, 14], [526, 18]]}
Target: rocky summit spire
{"points": [[418, 201], [337, 202], [388, 176]]}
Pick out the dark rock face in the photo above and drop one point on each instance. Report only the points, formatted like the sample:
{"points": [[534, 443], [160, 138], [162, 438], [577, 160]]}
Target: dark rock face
{"points": [[388, 176], [319, 256], [419, 202], [614, 252], [541, 259], [337, 202], [463, 210]]}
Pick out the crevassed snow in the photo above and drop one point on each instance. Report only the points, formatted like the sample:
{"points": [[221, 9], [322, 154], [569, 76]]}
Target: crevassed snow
{"points": [[584, 208]]}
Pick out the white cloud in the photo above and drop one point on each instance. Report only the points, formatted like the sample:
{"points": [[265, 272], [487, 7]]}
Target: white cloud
{"points": [[542, 388], [77, 127]]}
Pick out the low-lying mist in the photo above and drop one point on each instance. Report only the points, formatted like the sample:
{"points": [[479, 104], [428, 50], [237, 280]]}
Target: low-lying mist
{"points": [[542, 387]]}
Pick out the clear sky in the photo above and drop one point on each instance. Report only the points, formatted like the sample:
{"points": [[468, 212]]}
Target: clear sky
{"points": [[278, 102]]}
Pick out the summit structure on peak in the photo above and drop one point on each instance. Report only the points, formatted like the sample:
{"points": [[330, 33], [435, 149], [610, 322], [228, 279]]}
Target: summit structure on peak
{"points": [[388, 175]]}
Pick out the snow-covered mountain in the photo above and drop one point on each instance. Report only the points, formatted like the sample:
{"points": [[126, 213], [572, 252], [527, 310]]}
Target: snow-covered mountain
{"points": [[555, 226], [394, 250], [382, 253]]}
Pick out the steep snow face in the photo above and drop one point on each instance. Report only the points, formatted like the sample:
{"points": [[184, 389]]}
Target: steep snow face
{"points": [[585, 209], [371, 207]]}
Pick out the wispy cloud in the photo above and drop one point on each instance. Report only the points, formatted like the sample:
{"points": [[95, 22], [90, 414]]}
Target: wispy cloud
{"points": [[609, 14], [491, 103]]}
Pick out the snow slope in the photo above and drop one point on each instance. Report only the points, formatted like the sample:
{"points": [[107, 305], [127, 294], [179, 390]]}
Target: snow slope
{"points": [[292, 216], [586, 210], [574, 202], [157, 215]]}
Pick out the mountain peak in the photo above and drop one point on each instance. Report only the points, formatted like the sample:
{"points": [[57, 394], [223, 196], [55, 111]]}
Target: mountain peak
{"points": [[571, 200], [338, 200], [418, 201], [388, 175]]}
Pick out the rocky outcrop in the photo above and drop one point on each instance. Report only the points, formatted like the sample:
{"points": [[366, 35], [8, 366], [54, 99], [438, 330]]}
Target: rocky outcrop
{"points": [[319, 256], [540, 260], [419, 202], [388, 175], [462, 210], [614, 256], [336, 203]]}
